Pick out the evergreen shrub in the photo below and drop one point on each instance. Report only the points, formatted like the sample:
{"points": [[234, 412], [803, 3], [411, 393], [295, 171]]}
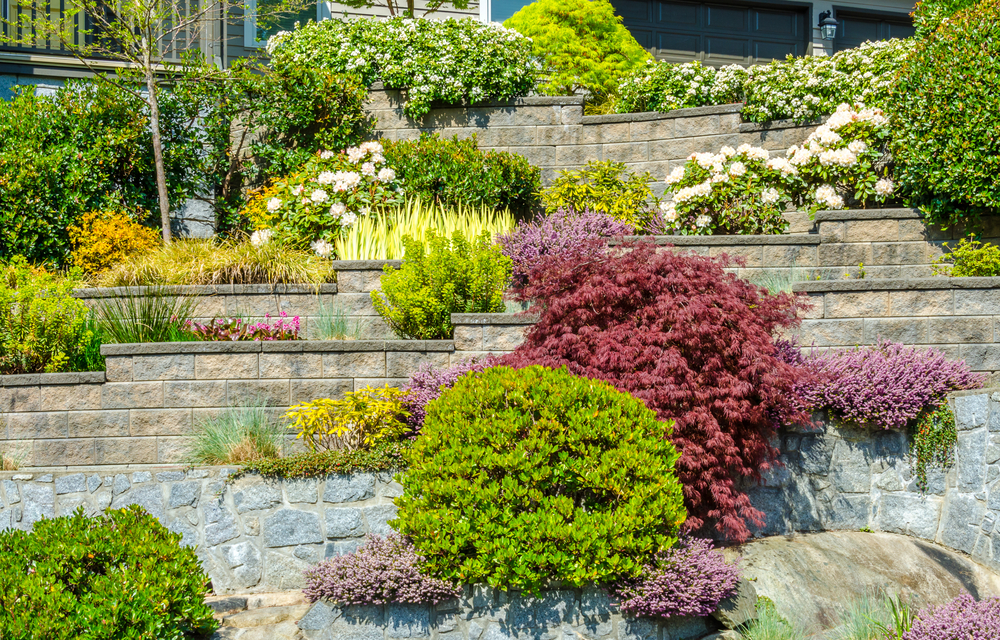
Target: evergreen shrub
{"points": [[118, 575], [524, 477]]}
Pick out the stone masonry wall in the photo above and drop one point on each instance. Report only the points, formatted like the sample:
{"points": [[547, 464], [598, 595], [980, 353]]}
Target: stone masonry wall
{"points": [[143, 408], [552, 132], [251, 535], [848, 477]]}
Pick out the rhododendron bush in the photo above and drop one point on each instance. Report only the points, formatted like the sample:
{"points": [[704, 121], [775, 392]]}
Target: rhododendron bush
{"points": [[746, 190], [325, 197], [693, 342], [800, 88]]}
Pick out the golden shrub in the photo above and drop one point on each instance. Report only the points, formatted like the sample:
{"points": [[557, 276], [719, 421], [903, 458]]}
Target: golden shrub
{"points": [[103, 239]]}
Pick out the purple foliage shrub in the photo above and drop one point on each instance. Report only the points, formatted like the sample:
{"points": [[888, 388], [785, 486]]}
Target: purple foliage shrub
{"points": [[555, 234], [428, 383], [234, 329], [383, 570], [961, 619], [689, 579], [887, 385]]}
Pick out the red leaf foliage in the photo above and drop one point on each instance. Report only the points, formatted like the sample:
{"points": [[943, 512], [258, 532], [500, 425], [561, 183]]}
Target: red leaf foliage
{"points": [[695, 343]]}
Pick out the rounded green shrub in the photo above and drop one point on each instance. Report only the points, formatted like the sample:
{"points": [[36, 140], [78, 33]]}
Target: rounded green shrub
{"points": [[119, 575], [947, 117], [929, 14], [582, 42], [529, 476]]}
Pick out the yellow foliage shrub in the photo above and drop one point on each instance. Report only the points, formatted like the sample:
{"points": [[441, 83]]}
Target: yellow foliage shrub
{"points": [[361, 419], [105, 238]]}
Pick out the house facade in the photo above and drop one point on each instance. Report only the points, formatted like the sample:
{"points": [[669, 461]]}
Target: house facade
{"points": [[713, 32]]}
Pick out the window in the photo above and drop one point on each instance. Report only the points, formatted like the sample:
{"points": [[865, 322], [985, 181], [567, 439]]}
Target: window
{"points": [[258, 31]]}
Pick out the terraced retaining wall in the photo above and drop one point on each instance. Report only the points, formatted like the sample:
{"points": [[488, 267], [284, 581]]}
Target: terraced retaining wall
{"points": [[142, 409], [848, 478], [552, 132]]}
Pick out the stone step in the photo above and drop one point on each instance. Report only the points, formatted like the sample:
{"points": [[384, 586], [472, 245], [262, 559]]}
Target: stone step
{"points": [[226, 605], [265, 616], [279, 599]]}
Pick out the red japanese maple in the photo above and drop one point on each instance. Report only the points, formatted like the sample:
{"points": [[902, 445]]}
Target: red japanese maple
{"points": [[695, 343]]}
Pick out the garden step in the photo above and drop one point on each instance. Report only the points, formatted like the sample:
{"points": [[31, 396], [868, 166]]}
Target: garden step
{"points": [[265, 616], [287, 630], [279, 599], [225, 605]]}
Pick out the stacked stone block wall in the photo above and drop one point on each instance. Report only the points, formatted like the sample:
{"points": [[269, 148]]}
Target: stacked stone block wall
{"points": [[142, 409], [552, 132]]}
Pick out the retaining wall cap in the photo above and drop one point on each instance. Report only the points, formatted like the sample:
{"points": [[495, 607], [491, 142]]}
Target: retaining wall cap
{"points": [[365, 265], [727, 241], [113, 469], [208, 290], [974, 392], [541, 101], [893, 284], [867, 214], [269, 346], [752, 127], [503, 319], [692, 112]]}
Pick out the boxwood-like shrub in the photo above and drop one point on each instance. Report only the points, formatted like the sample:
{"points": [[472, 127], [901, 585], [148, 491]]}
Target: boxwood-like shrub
{"points": [[523, 477], [947, 112], [117, 576]]}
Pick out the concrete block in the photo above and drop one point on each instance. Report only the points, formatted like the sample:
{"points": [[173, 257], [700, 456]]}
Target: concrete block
{"points": [[273, 392], [610, 133], [160, 422], [222, 366], [291, 365], [571, 114], [908, 253], [977, 302], [125, 450], [832, 333], [306, 390], [537, 155], [904, 330], [513, 137], [832, 232], [959, 330], [361, 383], [209, 306], [64, 397], [18, 399], [252, 305], [816, 308], [401, 364], [872, 231], [577, 155], [118, 368], [681, 148], [132, 395], [98, 424], [912, 231], [350, 364], [64, 452], [652, 130], [468, 338], [502, 338], [163, 367], [789, 256], [920, 303], [697, 127], [844, 254], [627, 152], [750, 256], [861, 304], [33, 426], [559, 135], [207, 393], [981, 357], [358, 281], [534, 116]]}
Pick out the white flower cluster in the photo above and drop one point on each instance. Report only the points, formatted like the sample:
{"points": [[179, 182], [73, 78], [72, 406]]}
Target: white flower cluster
{"points": [[448, 60], [828, 196], [261, 237]]}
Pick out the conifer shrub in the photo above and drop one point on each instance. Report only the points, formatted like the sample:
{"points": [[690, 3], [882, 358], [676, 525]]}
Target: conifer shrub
{"points": [[694, 343], [524, 477]]}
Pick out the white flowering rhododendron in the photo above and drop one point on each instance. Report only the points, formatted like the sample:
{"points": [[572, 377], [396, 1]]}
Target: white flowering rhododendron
{"points": [[799, 88], [451, 60], [746, 190], [314, 206]]}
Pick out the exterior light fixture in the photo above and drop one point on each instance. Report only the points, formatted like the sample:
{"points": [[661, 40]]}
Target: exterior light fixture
{"points": [[827, 26]]}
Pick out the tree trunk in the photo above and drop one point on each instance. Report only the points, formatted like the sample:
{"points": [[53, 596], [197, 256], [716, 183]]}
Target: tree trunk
{"points": [[411, 7], [154, 125]]}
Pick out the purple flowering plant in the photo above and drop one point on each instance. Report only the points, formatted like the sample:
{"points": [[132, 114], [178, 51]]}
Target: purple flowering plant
{"points": [[383, 570], [689, 579], [429, 383], [234, 329], [887, 385], [961, 619], [557, 233]]}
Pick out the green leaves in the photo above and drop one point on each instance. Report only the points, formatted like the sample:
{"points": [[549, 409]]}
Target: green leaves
{"points": [[603, 187], [117, 576], [455, 276], [523, 477]]}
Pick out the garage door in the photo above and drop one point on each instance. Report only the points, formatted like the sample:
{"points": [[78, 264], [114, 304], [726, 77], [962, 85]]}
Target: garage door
{"points": [[856, 28], [716, 33]]}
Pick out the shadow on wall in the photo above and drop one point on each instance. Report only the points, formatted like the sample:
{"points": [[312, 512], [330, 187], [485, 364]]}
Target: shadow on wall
{"points": [[43, 86]]}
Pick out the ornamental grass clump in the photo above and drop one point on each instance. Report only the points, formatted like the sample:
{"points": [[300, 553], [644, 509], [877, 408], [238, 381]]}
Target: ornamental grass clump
{"points": [[383, 570], [887, 385], [961, 619], [694, 343], [555, 234], [690, 579]]}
